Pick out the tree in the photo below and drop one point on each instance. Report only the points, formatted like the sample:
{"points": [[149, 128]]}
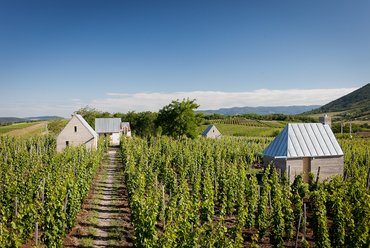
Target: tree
{"points": [[55, 125], [89, 114], [178, 119]]}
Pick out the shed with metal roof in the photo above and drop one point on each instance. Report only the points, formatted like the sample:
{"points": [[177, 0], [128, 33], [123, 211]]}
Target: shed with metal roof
{"points": [[109, 126], [77, 132], [304, 147], [211, 132], [126, 129]]}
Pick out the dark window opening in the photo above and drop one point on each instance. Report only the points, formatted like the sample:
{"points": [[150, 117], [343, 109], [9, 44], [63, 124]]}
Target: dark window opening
{"points": [[75, 129], [67, 143]]}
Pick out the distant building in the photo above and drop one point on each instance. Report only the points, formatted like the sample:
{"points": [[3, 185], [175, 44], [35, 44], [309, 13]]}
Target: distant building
{"points": [[125, 129], [77, 132], [109, 126], [304, 147], [365, 134], [325, 119], [211, 132]]}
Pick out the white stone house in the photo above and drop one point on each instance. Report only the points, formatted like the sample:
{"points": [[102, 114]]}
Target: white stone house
{"points": [[305, 147], [211, 132], [77, 132], [109, 126]]}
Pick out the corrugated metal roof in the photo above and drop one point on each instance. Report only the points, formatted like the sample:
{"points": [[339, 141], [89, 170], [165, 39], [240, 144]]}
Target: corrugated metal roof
{"points": [[304, 140], [107, 125], [207, 129], [86, 125]]}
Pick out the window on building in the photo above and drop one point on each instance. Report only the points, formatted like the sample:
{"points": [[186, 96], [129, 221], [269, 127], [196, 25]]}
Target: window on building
{"points": [[67, 143], [75, 129]]}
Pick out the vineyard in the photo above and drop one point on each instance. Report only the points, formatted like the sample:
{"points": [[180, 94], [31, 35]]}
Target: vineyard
{"points": [[41, 191], [202, 193], [185, 193], [250, 123]]}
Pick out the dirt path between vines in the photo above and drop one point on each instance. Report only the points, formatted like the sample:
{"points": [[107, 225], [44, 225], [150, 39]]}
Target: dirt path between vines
{"points": [[101, 237]]}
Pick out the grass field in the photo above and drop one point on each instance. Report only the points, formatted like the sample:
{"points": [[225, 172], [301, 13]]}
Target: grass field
{"points": [[7, 129], [331, 114], [240, 130]]}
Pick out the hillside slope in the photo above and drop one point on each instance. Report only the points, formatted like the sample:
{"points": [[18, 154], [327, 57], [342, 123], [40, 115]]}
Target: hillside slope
{"points": [[286, 110], [353, 105]]}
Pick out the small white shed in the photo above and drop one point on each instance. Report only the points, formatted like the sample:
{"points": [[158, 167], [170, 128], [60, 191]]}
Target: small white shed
{"points": [[304, 147], [211, 132], [77, 132], [125, 129], [109, 126]]}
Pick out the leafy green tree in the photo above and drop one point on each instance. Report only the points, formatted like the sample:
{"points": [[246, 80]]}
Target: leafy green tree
{"points": [[178, 119], [89, 114], [55, 125]]}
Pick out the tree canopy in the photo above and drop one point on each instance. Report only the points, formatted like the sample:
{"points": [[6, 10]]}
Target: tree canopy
{"points": [[178, 119]]}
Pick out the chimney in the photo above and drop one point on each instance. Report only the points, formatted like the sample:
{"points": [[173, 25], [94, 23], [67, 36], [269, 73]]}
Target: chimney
{"points": [[325, 120]]}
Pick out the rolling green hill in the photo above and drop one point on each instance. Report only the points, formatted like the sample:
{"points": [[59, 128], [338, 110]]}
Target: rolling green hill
{"points": [[353, 105]]}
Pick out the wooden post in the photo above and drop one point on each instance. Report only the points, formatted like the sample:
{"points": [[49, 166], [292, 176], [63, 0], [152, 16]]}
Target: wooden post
{"points": [[215, 184], [368, 179], [16, 207], [270, 198], [164, 207], [305, 223], [259, 192], [43, 190], [318, 174], [65, 204], [345, 175], [36, 233], [299, 223]]}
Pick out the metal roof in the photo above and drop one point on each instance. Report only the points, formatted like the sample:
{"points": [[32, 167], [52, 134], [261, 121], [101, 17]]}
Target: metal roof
{"points": [[85, 124], [304, 140], [208, 129], [127, 124], [107, 125]]}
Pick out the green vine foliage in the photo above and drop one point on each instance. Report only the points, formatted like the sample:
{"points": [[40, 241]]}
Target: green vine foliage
{"points": [[277, 219], [320, 228], [262, 213], [27, 164], [337, 229], [287, 210], [252, 199]]}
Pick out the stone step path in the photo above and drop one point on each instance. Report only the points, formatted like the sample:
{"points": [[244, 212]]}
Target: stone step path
{"points": [[101, 237]]}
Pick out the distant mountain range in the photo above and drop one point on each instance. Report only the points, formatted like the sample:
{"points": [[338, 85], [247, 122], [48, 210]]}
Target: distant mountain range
{"points": [[286, 110], [16, 119], [353, 105]]}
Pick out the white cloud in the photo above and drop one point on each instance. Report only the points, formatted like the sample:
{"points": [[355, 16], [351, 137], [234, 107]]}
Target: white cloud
{"points": [[153, 101], [145, 101]]}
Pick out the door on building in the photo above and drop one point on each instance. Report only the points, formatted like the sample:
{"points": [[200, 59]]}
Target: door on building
{"points": [[306, 168]]}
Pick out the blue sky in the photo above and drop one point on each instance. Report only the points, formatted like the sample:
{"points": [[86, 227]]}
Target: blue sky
{"points": [[120, 56]]}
